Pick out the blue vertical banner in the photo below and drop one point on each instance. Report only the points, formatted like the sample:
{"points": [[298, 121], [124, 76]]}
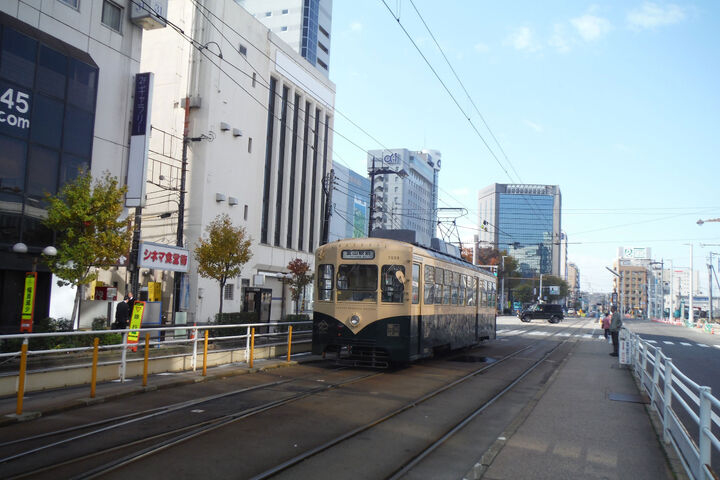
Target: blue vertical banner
{"points": [[139, 140]]}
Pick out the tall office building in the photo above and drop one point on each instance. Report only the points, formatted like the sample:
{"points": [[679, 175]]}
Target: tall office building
{"points": [[405, 190], [302, 24], [350, 204], [523, 220]]}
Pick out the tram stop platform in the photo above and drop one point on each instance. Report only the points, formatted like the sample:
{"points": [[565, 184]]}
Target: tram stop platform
{"points": [[589, 421]]}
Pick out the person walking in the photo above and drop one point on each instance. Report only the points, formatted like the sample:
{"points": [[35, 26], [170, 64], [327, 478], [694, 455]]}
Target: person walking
{"points": [[615, 326], [122, 314]]}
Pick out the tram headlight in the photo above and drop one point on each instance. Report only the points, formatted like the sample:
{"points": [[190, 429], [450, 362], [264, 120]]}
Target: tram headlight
{"points": [[354, 320]]}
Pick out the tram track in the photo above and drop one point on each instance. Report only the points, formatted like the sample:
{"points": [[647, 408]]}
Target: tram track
{"points": [[176, 436]]}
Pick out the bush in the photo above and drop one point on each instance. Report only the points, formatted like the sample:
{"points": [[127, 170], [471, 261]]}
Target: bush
{"points": [[234, 318], [296, 318], [50, 325]]}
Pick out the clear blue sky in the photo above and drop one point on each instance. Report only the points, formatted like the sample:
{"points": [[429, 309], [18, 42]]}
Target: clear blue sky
{"points": [[615, 101]]}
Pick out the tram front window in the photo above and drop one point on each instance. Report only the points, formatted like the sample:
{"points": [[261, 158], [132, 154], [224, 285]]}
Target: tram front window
{"points": [[357, 283]]}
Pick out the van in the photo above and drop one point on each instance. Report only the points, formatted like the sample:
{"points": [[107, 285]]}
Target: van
{"points": [[542, 311]]}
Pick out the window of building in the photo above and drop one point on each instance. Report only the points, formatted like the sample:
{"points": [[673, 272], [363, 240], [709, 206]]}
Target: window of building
{"points": [[249, 144], [322, 64], [242, 49], [245, 213], [283, 29], [229, 293], [268, 14], [285, 11], [111, 15], [71, 3], [323, 48], [323, 31], [254, 79]]}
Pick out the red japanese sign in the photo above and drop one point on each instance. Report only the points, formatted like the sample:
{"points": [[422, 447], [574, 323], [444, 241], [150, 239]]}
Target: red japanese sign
{"points": [[163, 257]]}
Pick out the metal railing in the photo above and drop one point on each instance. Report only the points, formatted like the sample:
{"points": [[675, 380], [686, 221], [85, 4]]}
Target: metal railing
{"points": [[688, 411], [188, 337]]}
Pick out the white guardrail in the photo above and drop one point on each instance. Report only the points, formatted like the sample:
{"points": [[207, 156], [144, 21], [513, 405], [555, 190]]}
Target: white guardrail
{"points": [[688, 411]]}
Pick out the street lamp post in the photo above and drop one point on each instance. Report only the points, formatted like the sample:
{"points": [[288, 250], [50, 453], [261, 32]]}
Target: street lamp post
{"points": [[502, 286], [28, 306]]}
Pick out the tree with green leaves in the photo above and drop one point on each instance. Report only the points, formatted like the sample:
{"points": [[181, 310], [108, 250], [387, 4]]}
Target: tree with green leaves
{"points": [[299, 279], [90, 232], [223, 253]]}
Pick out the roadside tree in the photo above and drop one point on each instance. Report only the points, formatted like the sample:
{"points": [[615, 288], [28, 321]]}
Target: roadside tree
{"points": [[223, 253], [90, 232], [299, 279]]}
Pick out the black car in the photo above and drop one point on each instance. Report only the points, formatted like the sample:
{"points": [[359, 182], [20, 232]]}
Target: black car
{"points": [[543, 311]]}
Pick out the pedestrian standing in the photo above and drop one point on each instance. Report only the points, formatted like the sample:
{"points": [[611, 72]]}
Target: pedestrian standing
{"points": [[606, 325], [131, 301], [615, 326], [122, 314]]}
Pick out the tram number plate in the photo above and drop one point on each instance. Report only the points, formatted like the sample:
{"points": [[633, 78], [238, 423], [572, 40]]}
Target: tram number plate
{"points": [[393, 330]]}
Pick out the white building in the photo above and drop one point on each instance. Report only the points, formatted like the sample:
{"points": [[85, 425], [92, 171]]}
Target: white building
{"points": [[405, 190], [305, 25], [73, 64], [260, 124]]}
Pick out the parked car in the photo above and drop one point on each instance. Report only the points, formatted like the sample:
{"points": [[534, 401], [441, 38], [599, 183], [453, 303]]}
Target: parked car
{"points": [[542, 311], [571, 311]]}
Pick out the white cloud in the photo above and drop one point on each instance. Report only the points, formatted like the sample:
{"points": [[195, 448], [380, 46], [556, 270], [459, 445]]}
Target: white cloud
{"points": [[559, 40], [356, 27], [535, 126], [481, 47], [591, 27], [652, 15], [523, 39]]}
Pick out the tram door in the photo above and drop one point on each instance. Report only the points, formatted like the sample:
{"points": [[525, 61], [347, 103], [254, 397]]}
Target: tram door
{"points": [[258, 300]]}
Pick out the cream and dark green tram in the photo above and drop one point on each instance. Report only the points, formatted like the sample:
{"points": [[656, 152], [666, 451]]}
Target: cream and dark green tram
{"points": [[381, 301]]}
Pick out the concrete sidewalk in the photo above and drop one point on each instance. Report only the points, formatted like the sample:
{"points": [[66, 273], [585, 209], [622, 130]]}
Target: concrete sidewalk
{"points": [[585, 424]]}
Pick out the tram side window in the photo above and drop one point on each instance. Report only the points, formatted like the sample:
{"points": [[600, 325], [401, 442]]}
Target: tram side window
{"points": [[463, 286], [429, 284], [447, 287], [357, 283], [438, 285], [472, 294], [483, 294], [455, 296], [416, 283], [325, 282], [393, 283]]}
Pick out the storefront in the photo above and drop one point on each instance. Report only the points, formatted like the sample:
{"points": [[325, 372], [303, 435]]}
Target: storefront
{"points": [[48, 94]]}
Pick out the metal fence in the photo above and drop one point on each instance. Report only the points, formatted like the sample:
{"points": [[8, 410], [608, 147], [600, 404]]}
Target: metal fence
{"points": [[166, 343], [688, 411]]}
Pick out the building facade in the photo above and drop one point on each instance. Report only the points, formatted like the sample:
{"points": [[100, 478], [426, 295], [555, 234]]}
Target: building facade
{"points": [[350, 204], [525, 221], [66, 74], [305, 25], [573, 281], [259, 137], [405, 190]]}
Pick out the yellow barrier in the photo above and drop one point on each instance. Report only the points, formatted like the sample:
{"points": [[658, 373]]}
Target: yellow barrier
{"points": [[205, 354], [21, 378], [93, 377], [252, 346], [147, 355], [289, 341]]}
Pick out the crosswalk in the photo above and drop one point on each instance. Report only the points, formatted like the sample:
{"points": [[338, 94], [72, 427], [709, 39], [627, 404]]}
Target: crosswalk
{"points": [[539, 333]]}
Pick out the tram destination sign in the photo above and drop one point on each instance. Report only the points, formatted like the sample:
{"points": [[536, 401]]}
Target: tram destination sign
{"points": [[358, 254]]}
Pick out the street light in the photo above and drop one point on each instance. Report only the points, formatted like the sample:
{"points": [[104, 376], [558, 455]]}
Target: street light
{"points": [[28, 305]]}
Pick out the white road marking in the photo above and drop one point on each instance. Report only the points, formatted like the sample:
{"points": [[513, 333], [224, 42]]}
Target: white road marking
{"points": [[652, 341], [703, 345], [686, 344], [668, 343]]}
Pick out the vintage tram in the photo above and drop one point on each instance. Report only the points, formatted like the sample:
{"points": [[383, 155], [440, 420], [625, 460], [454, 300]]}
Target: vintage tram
{"points": [[381, 301]]}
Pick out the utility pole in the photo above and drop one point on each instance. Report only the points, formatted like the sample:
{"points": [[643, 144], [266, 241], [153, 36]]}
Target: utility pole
{"points": [[540, 292], [181, 206], [372, 197], [691, 314], [328, 185]]}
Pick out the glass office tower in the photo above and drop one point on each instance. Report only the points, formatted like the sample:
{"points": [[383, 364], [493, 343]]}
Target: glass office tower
{"points": [[524, 221]]}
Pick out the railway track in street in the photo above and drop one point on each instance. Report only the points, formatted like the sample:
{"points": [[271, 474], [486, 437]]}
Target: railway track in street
{"points": [[103, 458]]}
